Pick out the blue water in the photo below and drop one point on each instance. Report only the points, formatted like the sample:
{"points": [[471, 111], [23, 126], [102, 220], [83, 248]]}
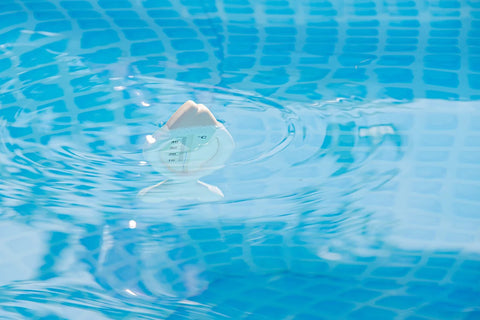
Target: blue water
{"points": [[353, 191]]}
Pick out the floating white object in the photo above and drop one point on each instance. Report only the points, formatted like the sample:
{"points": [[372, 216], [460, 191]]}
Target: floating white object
{"points": [[192, 144]]}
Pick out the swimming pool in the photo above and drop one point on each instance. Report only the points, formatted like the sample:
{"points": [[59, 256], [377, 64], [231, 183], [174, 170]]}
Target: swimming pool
{"points": [[353, 191]]}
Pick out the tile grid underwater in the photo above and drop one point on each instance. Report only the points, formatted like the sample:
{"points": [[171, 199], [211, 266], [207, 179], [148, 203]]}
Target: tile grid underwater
{"points": [[353, 193]]}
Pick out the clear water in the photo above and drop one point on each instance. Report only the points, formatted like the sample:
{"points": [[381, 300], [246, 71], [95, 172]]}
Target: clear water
{"points": [[353, 191]]}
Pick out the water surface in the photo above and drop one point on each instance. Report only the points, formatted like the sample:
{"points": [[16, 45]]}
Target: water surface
{"points": [[353, 190]]}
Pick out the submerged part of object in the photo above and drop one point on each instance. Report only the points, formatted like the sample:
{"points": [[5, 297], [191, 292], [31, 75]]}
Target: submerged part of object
{"points": [[192, 144]]}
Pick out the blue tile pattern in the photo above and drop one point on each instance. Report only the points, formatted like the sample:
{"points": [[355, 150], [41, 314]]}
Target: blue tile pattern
{"points": [[360, 223]]}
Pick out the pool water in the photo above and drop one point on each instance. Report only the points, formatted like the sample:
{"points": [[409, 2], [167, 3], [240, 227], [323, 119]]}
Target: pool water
{"points": [[353, 191]]}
